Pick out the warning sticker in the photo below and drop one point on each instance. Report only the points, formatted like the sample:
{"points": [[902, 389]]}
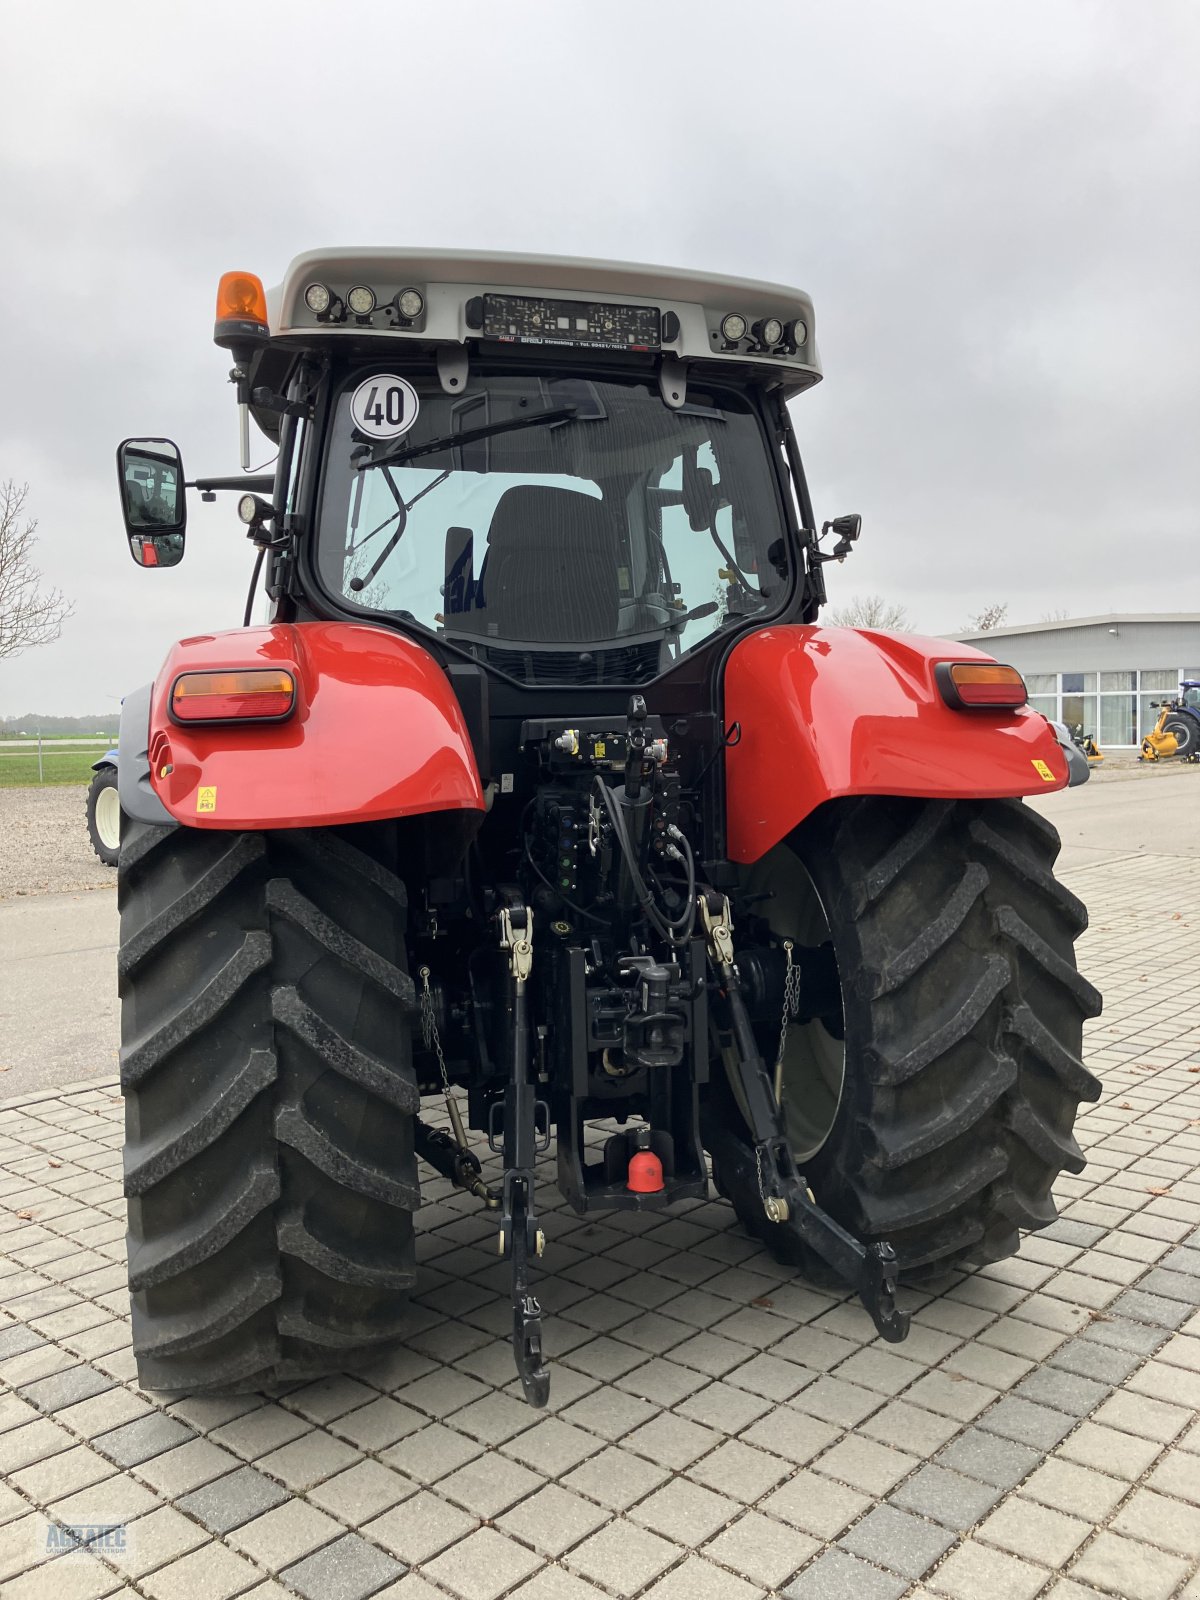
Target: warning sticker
{"points": [[206, 799], [385, 406], [1043, 771]]}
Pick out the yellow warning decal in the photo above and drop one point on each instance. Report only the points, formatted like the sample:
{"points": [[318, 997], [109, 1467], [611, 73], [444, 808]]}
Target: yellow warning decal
{"points": [[206, 799], [600, 750], [1040, 767]]}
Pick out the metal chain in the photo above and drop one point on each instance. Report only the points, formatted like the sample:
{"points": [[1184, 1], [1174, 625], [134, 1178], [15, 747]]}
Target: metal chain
{"points": [[429, 1031], [791, 1004], [775, 1206]]}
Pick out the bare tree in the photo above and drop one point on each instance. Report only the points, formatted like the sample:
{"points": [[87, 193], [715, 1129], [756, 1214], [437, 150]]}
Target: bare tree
{"points": [[1060, 614], [29, 614], [990, 617], [869, 611]]}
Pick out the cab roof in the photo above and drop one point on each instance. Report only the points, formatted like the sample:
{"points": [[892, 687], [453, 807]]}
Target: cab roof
{"points": [[559, 301]]}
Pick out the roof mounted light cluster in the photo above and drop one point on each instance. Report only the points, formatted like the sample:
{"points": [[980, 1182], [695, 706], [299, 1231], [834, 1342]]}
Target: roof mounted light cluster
{"points": [[361, 302], [766, 336]]}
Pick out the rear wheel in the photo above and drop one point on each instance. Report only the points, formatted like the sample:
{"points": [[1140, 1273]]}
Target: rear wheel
{"points": [[266, 1064], [942, 1118], [103, 812], [1187, 734]]}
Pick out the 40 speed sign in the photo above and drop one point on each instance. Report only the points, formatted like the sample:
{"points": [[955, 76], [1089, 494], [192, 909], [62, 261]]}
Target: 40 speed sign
{"points": [[384, 406]]}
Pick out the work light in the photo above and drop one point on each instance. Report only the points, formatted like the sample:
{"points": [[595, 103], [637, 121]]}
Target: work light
{"points": [[318, 299], [361, 300]]}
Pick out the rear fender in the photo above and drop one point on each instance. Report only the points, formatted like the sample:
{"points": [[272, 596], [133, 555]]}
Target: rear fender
{"points": [[376, 732], [830, 712]]}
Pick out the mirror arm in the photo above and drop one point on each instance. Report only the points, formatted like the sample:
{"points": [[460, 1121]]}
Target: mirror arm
{"points": [[267, 400]]}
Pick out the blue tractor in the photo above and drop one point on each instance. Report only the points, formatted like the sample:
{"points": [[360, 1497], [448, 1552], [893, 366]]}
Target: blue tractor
{"points": [[103, 809], [1177, 731]]}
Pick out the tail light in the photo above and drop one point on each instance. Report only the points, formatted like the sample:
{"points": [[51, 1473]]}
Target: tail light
{"points": [[987, 685], [251, 695]]}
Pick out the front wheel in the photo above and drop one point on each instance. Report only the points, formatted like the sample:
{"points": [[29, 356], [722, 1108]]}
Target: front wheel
{"points": [[103, 812], [933, 1105]]}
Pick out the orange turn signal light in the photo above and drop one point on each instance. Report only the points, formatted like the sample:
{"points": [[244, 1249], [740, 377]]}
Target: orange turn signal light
{"points": [[987, 684], [257, 694], [241, 298]]}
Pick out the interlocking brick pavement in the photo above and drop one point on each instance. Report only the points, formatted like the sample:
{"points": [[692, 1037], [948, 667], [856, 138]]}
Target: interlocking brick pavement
{"points": [[718, 1430]]}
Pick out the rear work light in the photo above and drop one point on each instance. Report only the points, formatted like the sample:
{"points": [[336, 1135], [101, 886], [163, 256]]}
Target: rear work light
{"points": [[250, 695], [983, 684]]}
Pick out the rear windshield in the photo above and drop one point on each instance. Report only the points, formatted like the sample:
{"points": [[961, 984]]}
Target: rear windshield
{"points": [[597, 544]]}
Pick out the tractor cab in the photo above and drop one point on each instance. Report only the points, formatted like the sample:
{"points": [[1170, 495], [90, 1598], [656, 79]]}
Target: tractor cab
{"points": [[568, 472]]}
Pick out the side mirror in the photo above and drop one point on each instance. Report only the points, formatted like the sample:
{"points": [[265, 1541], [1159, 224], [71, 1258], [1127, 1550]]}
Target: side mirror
{"points": [[153, 504]]}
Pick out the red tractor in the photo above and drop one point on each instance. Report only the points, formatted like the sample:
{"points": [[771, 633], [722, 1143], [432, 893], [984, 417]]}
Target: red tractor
{"points": [[544, 783]]}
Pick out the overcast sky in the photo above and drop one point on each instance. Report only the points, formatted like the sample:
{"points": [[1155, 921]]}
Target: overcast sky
{"points": [[996, 209]]}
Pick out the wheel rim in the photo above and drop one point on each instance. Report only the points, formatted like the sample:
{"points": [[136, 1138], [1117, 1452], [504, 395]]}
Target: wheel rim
{"points": [[108, 818], [814, 1060]]}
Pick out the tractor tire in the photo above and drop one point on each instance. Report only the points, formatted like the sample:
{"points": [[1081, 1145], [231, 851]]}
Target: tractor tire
{"points": [[1187, 734], [103, 812], [950, 1114], [266, 1063]]}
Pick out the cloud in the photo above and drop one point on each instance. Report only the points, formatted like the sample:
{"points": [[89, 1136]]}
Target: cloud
{"points": [[993, 206]]}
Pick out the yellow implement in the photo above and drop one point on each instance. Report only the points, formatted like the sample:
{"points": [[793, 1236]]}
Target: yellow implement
{"points": [[1160, 743]]}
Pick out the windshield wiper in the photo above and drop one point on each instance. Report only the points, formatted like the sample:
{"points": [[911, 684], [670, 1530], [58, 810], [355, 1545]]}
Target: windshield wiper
{"points": [[451, 441], [400, 518]]}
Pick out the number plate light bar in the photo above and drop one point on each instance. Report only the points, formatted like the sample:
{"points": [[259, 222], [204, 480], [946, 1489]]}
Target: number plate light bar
{"points": [[591, 324]]}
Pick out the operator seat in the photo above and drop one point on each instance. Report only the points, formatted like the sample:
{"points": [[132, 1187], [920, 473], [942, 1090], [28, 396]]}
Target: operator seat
{"points": [[550, 575]]}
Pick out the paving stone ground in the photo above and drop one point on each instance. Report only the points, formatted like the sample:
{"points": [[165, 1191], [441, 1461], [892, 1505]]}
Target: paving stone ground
{"points": [[718, 1430]]}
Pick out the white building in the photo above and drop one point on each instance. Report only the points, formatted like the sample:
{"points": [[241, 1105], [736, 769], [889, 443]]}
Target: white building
{"points": [[1102, 672]]}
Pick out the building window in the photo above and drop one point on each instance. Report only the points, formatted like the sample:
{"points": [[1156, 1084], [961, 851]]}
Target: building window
{"points": [[1118, 717], [1115, 707], [1079, 683], [1079, 702], [1157, 684], [1160, 681]]}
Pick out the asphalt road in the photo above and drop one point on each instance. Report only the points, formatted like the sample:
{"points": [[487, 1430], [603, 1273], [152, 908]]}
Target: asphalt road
{"points": [[1127, 811], [58, 1002], [58, 1006]]}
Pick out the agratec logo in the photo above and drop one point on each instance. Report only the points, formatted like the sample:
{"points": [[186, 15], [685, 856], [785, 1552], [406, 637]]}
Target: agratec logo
{"points": [[101, 1538]]}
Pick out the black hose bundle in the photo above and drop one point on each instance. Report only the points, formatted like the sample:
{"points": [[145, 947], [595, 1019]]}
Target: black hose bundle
{"points": [[675, 930]]}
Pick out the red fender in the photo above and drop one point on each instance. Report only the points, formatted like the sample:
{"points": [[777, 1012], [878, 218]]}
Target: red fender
{"points": [[828, 712], [377, 732]]}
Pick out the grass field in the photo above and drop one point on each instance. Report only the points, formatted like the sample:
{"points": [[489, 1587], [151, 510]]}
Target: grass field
{"points": [[19, 768]]}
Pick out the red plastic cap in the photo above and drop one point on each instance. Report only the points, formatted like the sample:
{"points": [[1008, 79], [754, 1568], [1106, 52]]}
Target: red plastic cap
{"points": [[645, 1173]]}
